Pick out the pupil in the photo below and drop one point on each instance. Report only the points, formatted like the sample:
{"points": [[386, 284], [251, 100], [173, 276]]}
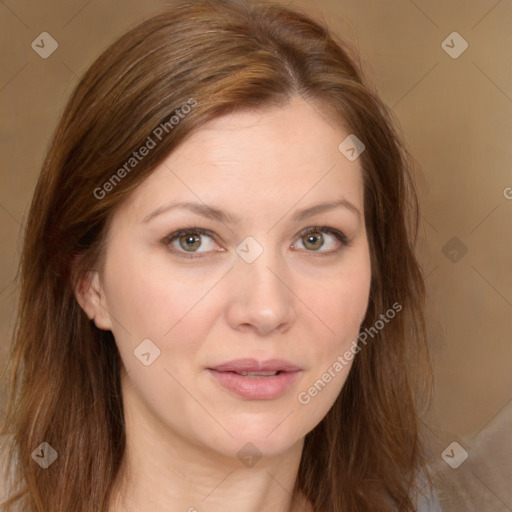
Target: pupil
{"points": [[190, 240], [311, 239]]}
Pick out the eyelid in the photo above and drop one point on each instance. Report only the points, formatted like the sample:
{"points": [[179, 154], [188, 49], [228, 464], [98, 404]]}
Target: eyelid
{"points": [[183, 231], [339, 235], [342, 238]]}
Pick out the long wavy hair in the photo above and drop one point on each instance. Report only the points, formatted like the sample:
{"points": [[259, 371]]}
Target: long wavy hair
{"points": [[221, 56]]}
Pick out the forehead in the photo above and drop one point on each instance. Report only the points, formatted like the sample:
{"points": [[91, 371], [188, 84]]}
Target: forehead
{"points": [[272, 158], [290, 133]]}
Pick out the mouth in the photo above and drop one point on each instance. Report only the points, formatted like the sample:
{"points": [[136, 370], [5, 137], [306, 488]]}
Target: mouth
{"points": [[256, 380], [255, 367], [257, 375]]}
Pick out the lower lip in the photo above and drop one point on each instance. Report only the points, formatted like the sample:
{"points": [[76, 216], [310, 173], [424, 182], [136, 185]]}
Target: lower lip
{"points": [[262, 388]]}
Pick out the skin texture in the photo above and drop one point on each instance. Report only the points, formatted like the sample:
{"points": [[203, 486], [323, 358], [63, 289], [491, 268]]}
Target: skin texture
{"points": [[293, 302]]}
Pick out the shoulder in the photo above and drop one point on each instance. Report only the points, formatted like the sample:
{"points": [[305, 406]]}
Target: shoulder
{"points": [[427, 499], [428, 504], [6, 470]]}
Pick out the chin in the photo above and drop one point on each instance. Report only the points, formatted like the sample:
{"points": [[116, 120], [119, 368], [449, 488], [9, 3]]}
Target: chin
{"points": [[248, 451], [264, 440]]}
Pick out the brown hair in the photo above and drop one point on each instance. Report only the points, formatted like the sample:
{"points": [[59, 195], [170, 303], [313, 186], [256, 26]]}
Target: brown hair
{"points": [[219, 56]]}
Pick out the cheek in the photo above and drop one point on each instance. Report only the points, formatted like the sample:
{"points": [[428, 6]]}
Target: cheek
{"points": [[341, 301], [171, 308], [153, 299], [342, 305]]}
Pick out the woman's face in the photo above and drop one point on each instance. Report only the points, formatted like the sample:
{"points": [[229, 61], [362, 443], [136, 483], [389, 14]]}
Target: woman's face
{"points": [[251, 287]]}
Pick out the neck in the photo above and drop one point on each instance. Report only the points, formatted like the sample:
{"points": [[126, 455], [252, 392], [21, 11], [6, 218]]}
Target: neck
{"points": [[203, 483]]}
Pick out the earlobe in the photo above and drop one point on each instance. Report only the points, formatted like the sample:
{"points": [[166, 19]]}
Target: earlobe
{"points": [[90, 296]]}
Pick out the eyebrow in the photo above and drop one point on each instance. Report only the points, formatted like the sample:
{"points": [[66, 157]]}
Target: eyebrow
{"points": [[224, 216]]}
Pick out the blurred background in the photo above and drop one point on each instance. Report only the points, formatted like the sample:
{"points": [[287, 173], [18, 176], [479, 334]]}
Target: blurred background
{"points": [[444, 67]]}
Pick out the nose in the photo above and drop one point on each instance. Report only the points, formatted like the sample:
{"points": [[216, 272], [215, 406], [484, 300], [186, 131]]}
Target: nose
{"points": [[261, 298]]}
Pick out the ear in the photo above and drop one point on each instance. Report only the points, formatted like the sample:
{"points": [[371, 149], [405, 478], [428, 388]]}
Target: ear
{"points": [[91, 297]]}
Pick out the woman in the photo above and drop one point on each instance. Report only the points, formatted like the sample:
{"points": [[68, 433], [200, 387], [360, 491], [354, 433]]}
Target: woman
{"points": [[220, 303]]}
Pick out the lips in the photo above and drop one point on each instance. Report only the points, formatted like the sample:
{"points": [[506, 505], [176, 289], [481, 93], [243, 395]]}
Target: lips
{"points": [[256, 380], [252, 366]]}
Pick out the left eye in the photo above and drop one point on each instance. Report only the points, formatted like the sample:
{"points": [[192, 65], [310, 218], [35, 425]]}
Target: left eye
{"points": [[314, 239], [189, 240]]}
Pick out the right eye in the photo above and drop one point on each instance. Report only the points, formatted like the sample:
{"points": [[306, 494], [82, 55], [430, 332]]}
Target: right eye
{"points": [[188, 240]]}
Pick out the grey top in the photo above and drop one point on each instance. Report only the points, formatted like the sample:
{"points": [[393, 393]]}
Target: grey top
{"points": [[428, 502]]}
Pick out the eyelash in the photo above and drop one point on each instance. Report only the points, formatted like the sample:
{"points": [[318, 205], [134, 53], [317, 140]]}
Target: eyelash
{"points": [[342, 238]]}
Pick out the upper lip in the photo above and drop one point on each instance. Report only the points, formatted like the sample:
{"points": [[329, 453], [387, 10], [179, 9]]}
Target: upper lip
{"points": [[253, 365]]}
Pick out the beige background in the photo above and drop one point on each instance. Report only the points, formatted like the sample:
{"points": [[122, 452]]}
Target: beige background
{"points": [[455, 115]]}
